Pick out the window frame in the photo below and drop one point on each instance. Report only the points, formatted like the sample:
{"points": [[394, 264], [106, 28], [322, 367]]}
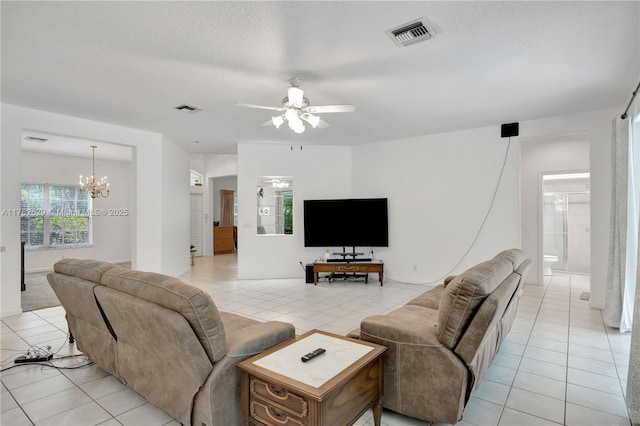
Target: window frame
{"points": [[47, 210]]}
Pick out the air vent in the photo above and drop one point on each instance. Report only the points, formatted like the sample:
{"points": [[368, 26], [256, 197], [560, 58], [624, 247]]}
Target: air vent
{"points": [[35, 139], [411, 33], [188, 108]]}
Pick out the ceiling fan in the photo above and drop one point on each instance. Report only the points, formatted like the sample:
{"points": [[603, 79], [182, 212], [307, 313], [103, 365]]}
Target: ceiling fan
{"points": [[296, 109]]}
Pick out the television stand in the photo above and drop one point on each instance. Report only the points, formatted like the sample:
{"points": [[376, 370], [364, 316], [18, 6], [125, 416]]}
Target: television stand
{"points": [[352, 266], [349, 257]]}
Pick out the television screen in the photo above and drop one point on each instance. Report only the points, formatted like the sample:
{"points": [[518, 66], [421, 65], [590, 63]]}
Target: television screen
{"points": [[356, 222]]}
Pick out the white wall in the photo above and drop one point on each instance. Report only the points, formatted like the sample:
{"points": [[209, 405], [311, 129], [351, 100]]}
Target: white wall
{"points": [[111, 234], [147, 207], [176, 209], [217, 165], [439, 189], [317, 171], [543, 155], [438, 179]]}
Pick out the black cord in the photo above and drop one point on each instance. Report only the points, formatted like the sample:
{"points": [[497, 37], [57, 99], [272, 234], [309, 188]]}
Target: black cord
{"points": [[51, 365], [493, 198], [633, 96]]}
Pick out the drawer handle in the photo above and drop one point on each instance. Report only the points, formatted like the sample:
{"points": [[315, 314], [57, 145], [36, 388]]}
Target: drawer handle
{"points": [[278, 417], [348, 268], [278, 393]]}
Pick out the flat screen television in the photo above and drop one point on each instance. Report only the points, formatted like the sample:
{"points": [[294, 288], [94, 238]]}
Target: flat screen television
{"points": [[355, 222]]}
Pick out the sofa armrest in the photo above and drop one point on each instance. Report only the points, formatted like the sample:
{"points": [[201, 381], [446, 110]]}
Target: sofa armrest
{"points": [[422, 378], [258, 338], [400, 329]]}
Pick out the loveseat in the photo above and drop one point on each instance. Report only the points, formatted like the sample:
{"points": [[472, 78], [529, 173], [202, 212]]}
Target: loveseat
{"points": [[442, 342], [163, 338]]}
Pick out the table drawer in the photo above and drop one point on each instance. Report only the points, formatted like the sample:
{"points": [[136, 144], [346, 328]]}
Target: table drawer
{"points": [[357, 268], [270, 415], [280, 396]]}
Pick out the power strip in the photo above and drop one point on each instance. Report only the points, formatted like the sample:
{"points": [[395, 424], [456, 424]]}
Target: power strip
{"points": [[33, 358]]}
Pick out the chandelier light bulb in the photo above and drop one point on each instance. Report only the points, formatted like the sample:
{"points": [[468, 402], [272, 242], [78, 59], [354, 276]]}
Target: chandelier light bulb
{"points": [[95, 189]]}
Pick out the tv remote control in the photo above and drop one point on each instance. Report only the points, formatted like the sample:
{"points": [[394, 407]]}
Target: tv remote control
{"points": [[313, 354]]}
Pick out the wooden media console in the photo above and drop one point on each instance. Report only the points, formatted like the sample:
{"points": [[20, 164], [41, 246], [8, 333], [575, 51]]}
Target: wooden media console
{"points": [[351, 267]]}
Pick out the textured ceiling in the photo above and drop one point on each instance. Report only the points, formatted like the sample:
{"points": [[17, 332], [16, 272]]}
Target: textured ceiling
{"points": [[131, 63]]}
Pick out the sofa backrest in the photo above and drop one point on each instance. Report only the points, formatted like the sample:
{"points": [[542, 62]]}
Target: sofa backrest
{"points": [[464, 294], [73, 282], [192, 303]]}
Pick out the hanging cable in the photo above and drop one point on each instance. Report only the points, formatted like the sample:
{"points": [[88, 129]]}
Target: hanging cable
{"points": [[493, 198], [633, 96]]}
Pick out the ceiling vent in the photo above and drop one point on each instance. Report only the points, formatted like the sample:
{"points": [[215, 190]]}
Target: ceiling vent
{"points": [[411, 33], [35, 139], [187, 108]]}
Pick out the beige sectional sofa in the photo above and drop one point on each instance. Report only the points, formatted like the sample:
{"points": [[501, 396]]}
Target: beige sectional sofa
{"points": [[442, 342], [162, 337]]}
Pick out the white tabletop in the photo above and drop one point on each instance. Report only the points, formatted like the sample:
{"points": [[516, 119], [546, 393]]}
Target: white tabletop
{"points": [[339, 355]]}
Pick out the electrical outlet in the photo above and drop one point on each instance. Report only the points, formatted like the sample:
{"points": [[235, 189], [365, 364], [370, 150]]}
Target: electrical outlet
{"points": [[415, 268]]}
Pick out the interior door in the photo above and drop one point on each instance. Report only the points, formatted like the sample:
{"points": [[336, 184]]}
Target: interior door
{"points": [[196, 223]]}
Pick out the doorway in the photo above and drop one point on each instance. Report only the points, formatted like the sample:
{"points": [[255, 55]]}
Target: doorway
{"points": [[566, 223]]}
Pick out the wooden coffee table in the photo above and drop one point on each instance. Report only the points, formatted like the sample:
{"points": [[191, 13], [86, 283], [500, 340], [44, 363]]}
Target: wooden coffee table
{"points": [[335, 388]]}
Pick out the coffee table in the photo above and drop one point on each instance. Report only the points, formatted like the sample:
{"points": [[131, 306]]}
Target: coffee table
{"points": [[335, 388]]}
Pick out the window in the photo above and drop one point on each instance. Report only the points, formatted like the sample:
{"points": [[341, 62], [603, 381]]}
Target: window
{"points": [[32, 214], [54, 216], [195, 178], [287, 201]]}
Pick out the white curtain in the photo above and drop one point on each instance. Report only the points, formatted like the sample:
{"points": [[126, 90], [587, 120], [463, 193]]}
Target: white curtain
{"points": [[633, 219], [633, 378], [617, 268]]}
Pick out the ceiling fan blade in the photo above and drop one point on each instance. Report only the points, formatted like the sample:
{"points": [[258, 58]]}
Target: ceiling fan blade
{"points": [[261, 107], [330, 108], [268, 123], [322, 124]]}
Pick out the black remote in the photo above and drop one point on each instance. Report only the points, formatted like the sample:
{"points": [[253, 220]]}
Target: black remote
{"points": [[313, 354]]}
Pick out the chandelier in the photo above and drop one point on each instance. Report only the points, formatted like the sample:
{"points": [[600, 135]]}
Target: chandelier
{"points": [[95, 188], [280, 183]]}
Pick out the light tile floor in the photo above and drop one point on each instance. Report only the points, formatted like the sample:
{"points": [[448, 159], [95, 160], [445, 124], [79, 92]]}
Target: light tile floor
{"points": [[559, 364]]}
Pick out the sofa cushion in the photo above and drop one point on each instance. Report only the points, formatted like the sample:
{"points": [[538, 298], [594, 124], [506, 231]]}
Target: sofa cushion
{"points": [[87, 269], [465, 293], [430, 298], [515, 256], [189, 301]]}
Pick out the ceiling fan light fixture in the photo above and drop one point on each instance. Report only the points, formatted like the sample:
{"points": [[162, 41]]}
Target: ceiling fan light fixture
{"points": [[296, 109], [296, 96], [277, 121], [296, 125], [314, 120]]}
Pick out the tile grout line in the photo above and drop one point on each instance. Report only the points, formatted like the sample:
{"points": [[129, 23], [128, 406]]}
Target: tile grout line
{"points": [[520, 362], [624, 397]]}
